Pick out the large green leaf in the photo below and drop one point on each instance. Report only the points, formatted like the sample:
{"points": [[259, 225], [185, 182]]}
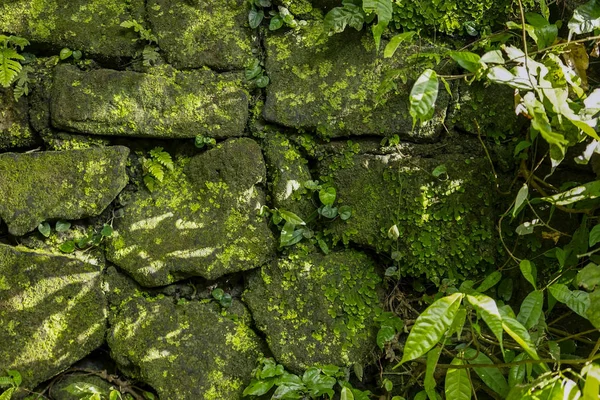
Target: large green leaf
{"points": [[576, 300], [458, 385], [492, 377], [382, 8], [590, 190], [423, 96], [394, 42], [529, 272], [589, 277], [531, 309], [490, 281], [585, 18], [289, 216], [592, 382], [518, 332], [487, 308], [467, 60], [430, 326], [338, 18], [516, 374], [432, 359], [593, 312]]}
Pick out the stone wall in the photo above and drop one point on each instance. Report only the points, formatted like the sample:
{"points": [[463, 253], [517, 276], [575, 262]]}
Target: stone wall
{"points": [[77, 149]]}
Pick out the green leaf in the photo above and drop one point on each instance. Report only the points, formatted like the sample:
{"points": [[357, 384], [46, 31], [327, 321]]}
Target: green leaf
{"points": [[329, 212], [522, 145], [594, 235], [516, 374], [394, 42], [9, 65], [15, 376], [290, 217], [531, 309], [505, 289], [423, 96], [590, 190], [439, 171], [62, 226], [493, 57], [275, 23], [83, 388], [67, 247], [217, 294], [114, 395], [7, 395], [346, 394], [576, 300], [490, 281], [107, 230], [432, 360], [585, 18], [487, 308], [589, 277], [327, 196], [592, 382], [529, 272], [492, 377], [65, 53], [458, 323], [393, 233], [262, 81], [430, 326], [593, 312], [318, 384], [258, 388], [382, 8], [226, 301], [345, 212], [338, 18], [517, 331], [45, 229], [467, 60], [385, 334], [290, 235], [458, 385], [522, 196], [255, 17]]}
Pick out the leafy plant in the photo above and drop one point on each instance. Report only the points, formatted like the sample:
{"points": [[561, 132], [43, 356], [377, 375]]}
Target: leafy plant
{"points": [[200, 141], [277, 17], [11, 69], [150, 52], [156, 166], [12, 382], [223, 298], [91, 239], [315, 383], [66, 53], [255, 73]]}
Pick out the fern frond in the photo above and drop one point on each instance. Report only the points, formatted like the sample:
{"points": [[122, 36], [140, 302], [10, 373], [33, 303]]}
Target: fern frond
{"points": [[150, 183], [163, 158], [9, 66], [22, 86], [156, 170], [5, 381], [18, 41], [150, 56]]}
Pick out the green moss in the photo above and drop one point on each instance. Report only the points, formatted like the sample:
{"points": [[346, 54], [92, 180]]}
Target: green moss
{"points": [[316, 309], [77, 184]]}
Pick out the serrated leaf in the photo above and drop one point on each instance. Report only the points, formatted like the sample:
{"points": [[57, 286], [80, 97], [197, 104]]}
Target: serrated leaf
{"points": [[430, 326], [487, 308], [9, 66], [423, 96], [458, 384], [7, 395], [490, 281], [531, 309], [394, 42], [492, 377], [529, 272]]}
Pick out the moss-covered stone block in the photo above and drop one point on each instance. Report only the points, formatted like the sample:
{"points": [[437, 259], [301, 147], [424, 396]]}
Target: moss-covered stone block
{"points": [[164, 104], [14, 122], [488, 110], [203, 220], [92, 26], [441, 202], [59, 185], [52, 312], [332, 85], [287, 171], [184, 351], [213, 33], [317, 309]]}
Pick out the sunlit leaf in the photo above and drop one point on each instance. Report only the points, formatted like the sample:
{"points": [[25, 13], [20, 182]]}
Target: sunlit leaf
{"points": [[458, 385], [576, 300], [531, 309], [394, 42], [423, 96], [487, 308], [529, 272], [432, 359]]}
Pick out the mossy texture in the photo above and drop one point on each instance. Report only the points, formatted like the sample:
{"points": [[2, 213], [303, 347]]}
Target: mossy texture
{"points": [[185, 351], [58, 392], [317, 309], [92, 26], [52, 312], [445, 223], [164, 104], [213, 33], [14, 122], [486, 110], [201, 221], [287, 170], [330, 84], [59, 185]]}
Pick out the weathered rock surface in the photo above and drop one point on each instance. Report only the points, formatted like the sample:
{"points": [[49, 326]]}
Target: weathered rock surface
{"points": [[184, 351], [287, 172], [330, 84], [317, 309], [445, 223], [14, 122], [202, 221], [491, 108], [52, 312], [213, 33], [59, 185], [92, 26], [165, 104]]}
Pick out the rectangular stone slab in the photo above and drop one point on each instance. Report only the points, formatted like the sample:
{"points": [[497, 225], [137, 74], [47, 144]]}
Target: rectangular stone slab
{"points": [[330, 85], [92, 26], [168, 104], [52, 312]]}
